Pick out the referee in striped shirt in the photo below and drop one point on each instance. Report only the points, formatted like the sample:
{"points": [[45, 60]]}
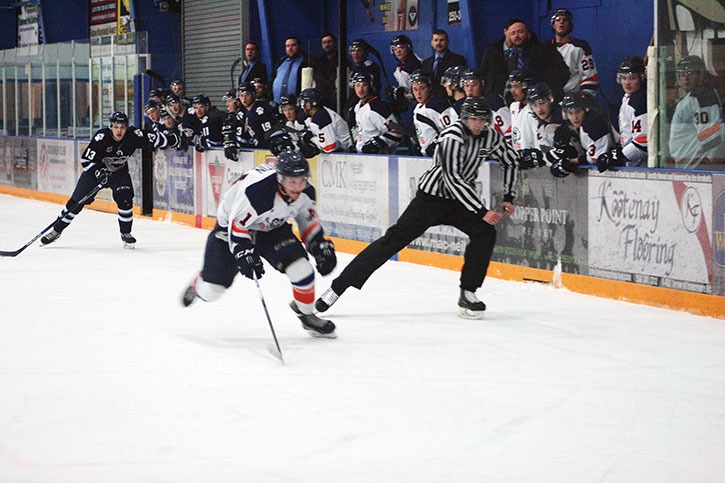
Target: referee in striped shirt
{"points": [[447, 196]]}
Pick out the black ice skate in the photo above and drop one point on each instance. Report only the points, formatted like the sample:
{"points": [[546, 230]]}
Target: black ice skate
{"points": [[128, 240], [316, 326], [49, 237], [190, 293], [469, 305], [326, 300]]}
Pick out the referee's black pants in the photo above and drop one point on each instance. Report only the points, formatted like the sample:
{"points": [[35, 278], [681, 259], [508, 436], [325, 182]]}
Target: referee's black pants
{"points": [[423, 212]]}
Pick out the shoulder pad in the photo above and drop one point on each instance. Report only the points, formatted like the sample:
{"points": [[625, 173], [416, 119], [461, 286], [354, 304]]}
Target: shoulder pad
{"points": [[638, 102], [582, 44], [595, 125], [705, 95]]}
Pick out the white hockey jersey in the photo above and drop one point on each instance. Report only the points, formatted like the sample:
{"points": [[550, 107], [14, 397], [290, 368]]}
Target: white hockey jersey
{"points": [[633, 127], [595, 136], [696, 132], [330, 131], [428, 120], [583, 74], [254, 203], [373, 118]]}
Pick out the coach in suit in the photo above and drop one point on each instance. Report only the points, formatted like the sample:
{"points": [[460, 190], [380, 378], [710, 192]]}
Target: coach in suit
{"points": [[253, 66], [436, 64]]}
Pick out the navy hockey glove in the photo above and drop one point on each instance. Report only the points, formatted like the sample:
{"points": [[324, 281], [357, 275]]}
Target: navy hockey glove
{"points": [[307, 137], [200, 144], [280, 143], [563, 168], [612, 159], [230, 151], [531, 158], [248, 262], [102, 175], [563, 135], [373, 146], [308, 150], [324, 252]]}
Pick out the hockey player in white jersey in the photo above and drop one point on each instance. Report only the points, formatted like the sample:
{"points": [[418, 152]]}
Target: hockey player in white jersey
{"points": [[373, 131], [632, 148], [326, 128], [428, 116], [472, 86], [517, 86], [252, 224], [577, 55], [593, 136], [696, 133]]}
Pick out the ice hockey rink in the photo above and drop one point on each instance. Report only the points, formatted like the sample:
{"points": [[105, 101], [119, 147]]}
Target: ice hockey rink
{"points": [[105, 377]]}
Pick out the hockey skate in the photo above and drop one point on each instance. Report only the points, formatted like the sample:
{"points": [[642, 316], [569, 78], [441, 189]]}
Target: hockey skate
{"points": [[469, 305], [128, 240], [190, 293], [316, 326], [326, 300], [49, 237]]}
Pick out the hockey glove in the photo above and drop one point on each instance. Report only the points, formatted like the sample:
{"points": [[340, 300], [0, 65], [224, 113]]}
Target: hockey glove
{"points": [[248, 262], [324, 253], [201, 144], [531, 158], [281, 143], [373, 146], [308, 150], [563, 168], [102, 175], [307, 137], [230, 151], [613, 158], [563, 135]]}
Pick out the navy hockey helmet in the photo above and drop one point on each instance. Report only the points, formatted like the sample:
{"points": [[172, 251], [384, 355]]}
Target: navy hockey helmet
{"points": [[311, 96], [691, 63], [151, 104], [420, 77], [201, 99], [523, 77], [172, 98], [292, 164], [470, 75], [246, 87], [118, 117], [575, 100], [453, 75], [632, 65], [359, 44], [476, 107], [562, 12], [230, 94], [159, 92], [401, 41], [287, 100], [538, 92], [361, 77], [163, 113], [176, 82]]}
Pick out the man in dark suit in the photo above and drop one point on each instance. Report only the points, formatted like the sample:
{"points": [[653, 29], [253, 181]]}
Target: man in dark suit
{"points": [[519, 49], [435, 65], [253, 66]]}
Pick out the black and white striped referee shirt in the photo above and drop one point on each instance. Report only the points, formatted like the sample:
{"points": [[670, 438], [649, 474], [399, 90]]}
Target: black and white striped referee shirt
{"points": [[456, 162]]}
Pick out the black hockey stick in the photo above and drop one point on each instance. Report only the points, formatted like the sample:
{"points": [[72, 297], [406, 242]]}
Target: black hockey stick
{"points": [[278, 352], [157, 76], [91, 194], [231, 71]]}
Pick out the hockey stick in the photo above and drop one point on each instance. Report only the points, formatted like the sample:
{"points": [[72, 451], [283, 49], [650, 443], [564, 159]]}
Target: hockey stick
{"points": [[91, 194], [278, 352], [157, 76], [231, 71]]}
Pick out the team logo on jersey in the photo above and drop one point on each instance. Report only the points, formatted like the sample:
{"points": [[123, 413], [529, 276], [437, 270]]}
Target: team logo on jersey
{"points": [[260, 110], [138, 133]]}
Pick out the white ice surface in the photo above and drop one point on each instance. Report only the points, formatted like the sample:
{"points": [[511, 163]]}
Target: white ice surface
{"points": [[104, 377]]}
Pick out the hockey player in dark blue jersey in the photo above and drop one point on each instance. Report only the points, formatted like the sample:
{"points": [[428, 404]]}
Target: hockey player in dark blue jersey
{"points": [[259, 116], [105, 162], [203, 126]]}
